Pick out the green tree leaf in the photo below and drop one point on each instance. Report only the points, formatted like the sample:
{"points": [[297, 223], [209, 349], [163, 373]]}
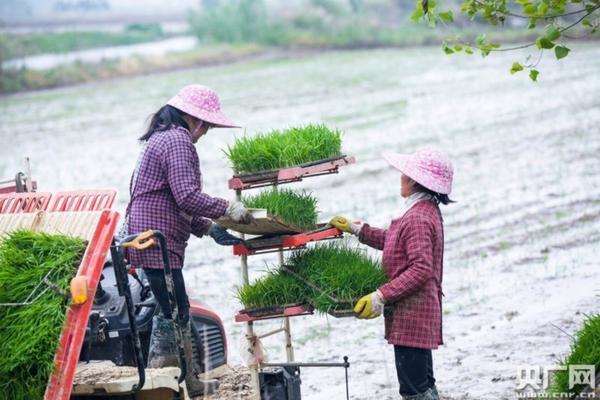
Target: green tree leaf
{"points": [[447, 48], [552, 33], [532, 23], [530, 9], [446, 16], [587, 22], [417, 15], [468, 50], [561, 52], [543, 43], [533, 74], [516, 67]]}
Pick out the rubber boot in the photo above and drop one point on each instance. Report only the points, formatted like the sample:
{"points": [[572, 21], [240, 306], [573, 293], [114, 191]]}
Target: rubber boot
{"points": [[195, 386], [429, 394], [163, 349]]}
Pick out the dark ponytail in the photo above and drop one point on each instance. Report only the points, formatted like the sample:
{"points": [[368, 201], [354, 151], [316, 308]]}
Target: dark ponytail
{"points": [[165, 118], [438, 197]]}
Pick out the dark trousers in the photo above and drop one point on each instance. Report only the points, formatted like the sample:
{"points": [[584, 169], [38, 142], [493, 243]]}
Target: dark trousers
{"points": [[414, 367], [158, 285]]}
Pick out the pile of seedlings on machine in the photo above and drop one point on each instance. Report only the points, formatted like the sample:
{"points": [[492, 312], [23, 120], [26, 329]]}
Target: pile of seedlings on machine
{"points": [[337, 275], [297, 209], [35, 271], [284, 148]]}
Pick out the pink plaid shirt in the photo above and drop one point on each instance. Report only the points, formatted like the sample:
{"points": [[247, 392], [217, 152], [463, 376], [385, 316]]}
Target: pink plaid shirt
{"points": [[168, 197], [413, 261]]}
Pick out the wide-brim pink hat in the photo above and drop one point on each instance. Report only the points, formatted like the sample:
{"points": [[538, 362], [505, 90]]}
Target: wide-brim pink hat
{"points": [[427, 166], [203, 103]]}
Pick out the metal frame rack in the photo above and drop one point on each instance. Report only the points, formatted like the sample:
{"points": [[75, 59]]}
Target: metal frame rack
{"points": [[279, 245]]}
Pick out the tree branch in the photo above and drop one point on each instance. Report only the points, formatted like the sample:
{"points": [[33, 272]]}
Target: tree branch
{"points": [[511, 14], [580, 19]]}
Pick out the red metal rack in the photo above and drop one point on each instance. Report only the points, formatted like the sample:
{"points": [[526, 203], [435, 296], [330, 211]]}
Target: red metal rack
{"points": [[269, 244], [287, 175], [262, 245], [291, 311], [25, 202], [83, 200], [73, 333]]}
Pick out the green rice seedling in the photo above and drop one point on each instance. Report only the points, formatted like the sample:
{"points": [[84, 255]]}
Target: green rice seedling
{"points": [[29, 334], [585, 350], [339, 271], [298, 209], [275, 289], [284, 148]]}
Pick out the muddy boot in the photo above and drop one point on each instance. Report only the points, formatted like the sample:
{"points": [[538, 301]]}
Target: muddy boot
{"points": [[195, 386], [429, 394], [163, 349]]}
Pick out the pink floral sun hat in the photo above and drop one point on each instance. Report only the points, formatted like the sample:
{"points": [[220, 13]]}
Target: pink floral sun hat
{"points": [[203, 103], [427, 166]]}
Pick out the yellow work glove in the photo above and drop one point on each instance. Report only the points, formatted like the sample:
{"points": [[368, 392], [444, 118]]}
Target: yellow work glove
{"points": [[344, 225], [370, 306]]}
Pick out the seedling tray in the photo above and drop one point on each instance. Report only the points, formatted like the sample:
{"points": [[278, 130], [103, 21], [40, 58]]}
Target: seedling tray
{"points": [[291, 174], [255, 314], [267, 225], [272, 243]]}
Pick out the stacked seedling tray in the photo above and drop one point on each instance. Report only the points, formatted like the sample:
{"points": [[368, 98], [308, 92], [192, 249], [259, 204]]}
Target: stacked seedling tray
{"points": [[274, 159], [82, 215]]}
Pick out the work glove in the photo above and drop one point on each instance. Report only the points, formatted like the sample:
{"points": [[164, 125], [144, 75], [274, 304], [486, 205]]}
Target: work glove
{"points": [[370, 306], [239, 213], [222, 237], [344, 225]]}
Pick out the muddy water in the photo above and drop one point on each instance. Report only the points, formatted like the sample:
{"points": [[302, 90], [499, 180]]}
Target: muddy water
{"points": [[521, 242]]}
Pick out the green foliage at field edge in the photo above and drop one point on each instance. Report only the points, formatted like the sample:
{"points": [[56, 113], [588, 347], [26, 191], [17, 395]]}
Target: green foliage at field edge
{"points": [[27, 44], [585, 350]]}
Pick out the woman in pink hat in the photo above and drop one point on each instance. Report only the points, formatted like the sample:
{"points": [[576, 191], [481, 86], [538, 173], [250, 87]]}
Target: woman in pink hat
{"points": [[413, 248], [166, 195]]}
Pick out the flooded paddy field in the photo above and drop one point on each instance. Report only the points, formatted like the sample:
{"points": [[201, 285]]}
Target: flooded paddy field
{"points": [[522, 241]]}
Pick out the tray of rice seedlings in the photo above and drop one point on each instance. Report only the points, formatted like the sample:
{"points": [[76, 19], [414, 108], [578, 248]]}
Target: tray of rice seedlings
{"points": [[337, 275], [35, 272], [272, 294], [263, 154], [287, 211]]}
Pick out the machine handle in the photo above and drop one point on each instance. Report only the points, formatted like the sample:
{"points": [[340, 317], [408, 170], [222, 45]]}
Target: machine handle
{"points": [[142, 241]]}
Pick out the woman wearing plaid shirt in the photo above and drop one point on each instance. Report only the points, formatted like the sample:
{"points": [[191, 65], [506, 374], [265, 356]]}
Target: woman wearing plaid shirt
{"points": [[166, 195], [413, 248]]}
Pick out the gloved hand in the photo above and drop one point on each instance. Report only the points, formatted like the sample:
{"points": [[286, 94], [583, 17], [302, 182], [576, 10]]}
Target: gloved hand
{"points": [[222, 237], [370, 306], [344, 225], [239, 213]]}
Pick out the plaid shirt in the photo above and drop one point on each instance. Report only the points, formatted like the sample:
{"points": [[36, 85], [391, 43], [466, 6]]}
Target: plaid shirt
{"points": [[168, 197], [413, 261]]}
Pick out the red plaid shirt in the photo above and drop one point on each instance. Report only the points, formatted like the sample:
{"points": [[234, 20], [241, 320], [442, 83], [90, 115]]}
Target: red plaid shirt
{"points": [[413, 261], [168, 197]]}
